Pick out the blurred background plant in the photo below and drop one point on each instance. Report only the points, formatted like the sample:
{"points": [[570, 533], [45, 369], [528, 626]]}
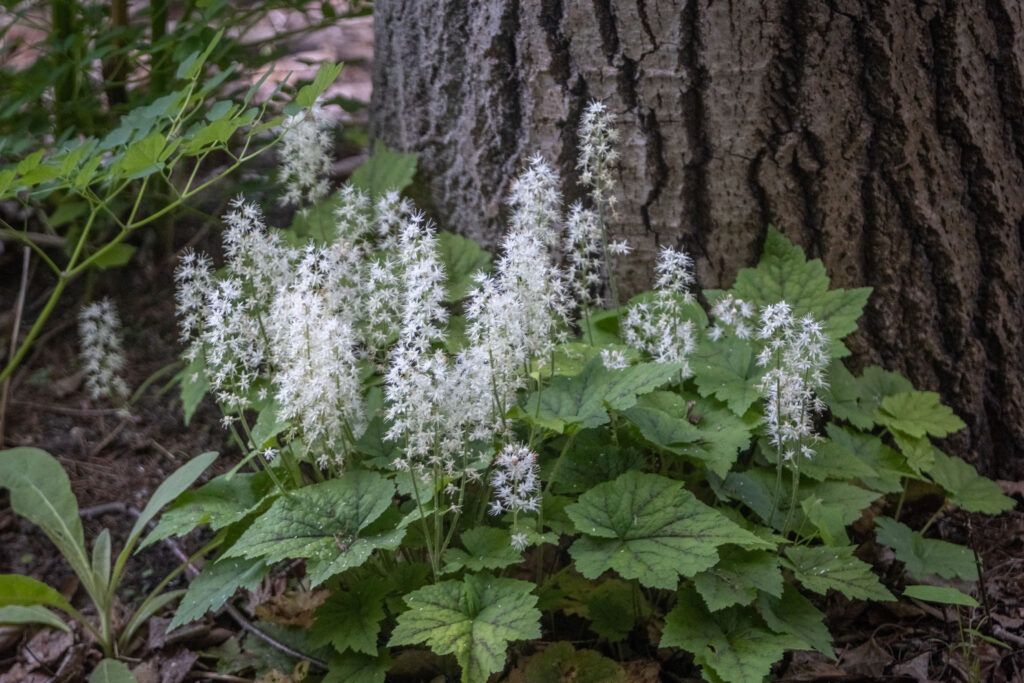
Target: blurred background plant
{"points": [[117, 116]]}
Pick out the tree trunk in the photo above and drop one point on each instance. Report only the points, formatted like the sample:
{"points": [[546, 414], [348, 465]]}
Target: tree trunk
{"points": [[886, 137]]}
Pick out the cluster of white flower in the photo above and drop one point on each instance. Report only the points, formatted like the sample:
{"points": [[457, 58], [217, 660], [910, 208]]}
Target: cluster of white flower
{"points": [[614, 359], [305, 157], [314, 353], [731, 314], [515, 480], [99, 331], [598, 137], [795, 354], [660, 327], [584, 255]]}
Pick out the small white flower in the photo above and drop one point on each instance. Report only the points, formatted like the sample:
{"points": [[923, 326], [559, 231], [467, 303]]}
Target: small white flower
{"points": [[515, 480], [520, 541], [99, 330], [598, 137], [614, 359]]}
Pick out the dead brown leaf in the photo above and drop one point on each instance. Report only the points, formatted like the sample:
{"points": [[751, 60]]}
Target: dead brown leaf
{"points": [[46, 647], [916, 668], [868, 659], [292, 608]]}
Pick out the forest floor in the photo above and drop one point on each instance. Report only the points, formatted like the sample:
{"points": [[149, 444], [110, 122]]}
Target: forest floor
{"points": [[118, 459]]}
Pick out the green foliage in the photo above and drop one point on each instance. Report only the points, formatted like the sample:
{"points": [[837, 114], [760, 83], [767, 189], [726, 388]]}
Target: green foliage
{"points": [[41, 493], [646, 527], [943, 595], [215, 585], [31, 614], [486, 548], [793, 614], [560, 662], [386, 170], [729, 372], [111, 671], [924, 557], [821, 569], [329, 523], [572, 403], [966, 488], [917, 414], [739, 577], [733, 644], [350, 619], [474, 619]]}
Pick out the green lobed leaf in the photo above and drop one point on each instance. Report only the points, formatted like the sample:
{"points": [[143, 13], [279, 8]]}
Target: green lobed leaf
{"points": [[560, 662], [924, 557], [941, 594], [614, 608], [728, 370], [353, 667], [350, 618], [486, 548], [31, 614], [918, 414], [41, 493], [592, 460], [966, 488], [785, 274], [794, 614], [824, 568], [583, 401], [733, 645], [111, 671], [889, 466], [385, 171], [738, 578], [474, 619], [843, 395], [647, 527], [325, 523], [463, 258], [215, 585]]}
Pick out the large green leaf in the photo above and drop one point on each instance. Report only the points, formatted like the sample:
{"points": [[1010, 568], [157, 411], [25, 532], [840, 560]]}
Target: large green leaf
{"points": [[215, 585], [889, 467], [924, 557], [474, 619], [560, 662], [966, 488], [614, 608], [41, 493], [31, 614], [463, 259], [647, 527], [785, 274], [733, 645], [218, 503], [350, 618], [111, 671], [353, 667], [386, 170], [486, 548], [918, 414], [824, 568], [728, 370], [738, 577], [326, 523], [572, 403], [700, 430], [794, 614], [842, 394]]}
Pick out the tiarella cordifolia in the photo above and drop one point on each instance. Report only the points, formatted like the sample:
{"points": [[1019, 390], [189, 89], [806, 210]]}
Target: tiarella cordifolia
{"points": [[733, 314], [583, 253], [795, 353], [614, 359], [598, 138], [305, 157], [516, 484], [422, 405], [536, 202], [660, 327], [99, 331], [225, 319], [313, 349]]}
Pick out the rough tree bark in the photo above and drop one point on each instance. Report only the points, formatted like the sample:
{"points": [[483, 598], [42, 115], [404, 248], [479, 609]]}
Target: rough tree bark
{"points": [[884, 136]]}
